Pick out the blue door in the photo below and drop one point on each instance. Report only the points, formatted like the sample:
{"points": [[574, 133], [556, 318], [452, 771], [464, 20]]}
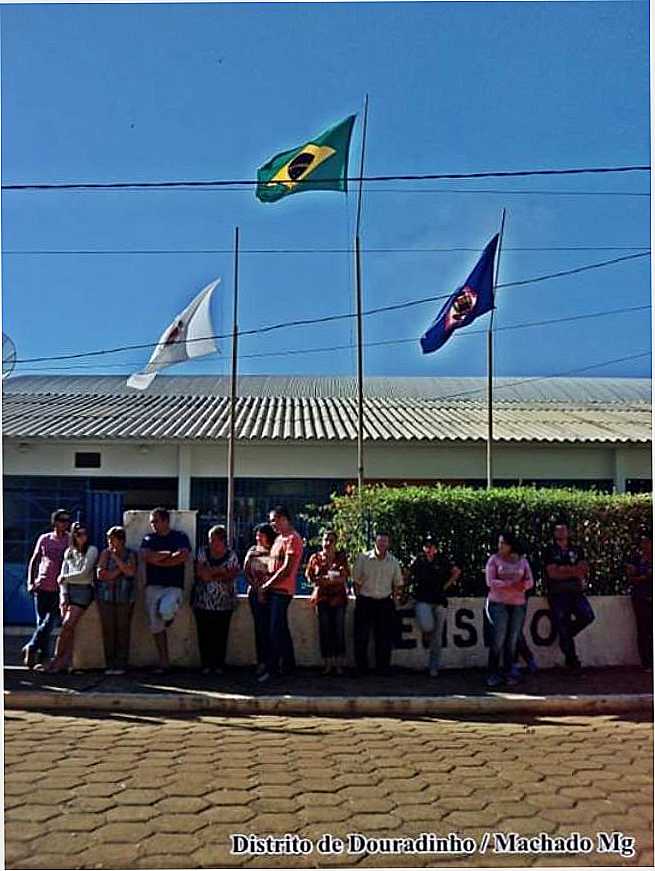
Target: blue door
{"points": [[104, 508]]}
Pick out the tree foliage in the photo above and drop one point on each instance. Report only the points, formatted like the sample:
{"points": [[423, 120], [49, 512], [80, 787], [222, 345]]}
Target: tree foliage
{"points": [[466, 523]]}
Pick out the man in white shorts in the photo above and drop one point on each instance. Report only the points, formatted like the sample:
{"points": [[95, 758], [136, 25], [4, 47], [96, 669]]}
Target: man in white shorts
{"points": [[164, 551]]}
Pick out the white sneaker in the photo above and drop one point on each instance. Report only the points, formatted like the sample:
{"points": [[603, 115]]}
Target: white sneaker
{"points": [[434, 672]]}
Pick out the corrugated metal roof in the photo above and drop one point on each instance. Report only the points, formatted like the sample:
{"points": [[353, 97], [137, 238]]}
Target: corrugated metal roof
{"points": [[332, 387], [147, 416]]}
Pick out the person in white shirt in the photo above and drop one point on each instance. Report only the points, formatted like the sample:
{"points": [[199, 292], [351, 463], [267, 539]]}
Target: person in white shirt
{"points": [[377, 578], [75, 593]]}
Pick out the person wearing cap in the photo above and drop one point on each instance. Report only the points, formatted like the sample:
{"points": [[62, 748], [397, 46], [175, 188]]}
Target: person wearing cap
{"points": [[165, 552], [430, 575], [42, 573], [377, 578]]}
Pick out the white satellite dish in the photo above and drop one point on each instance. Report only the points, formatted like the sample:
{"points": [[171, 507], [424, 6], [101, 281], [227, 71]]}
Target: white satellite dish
{"points": [[8, 356]]}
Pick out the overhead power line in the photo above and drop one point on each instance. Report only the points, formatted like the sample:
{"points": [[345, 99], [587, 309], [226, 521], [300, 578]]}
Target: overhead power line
{"points": [[575, 371], [383, 343], [451, 250], [574, 271], [217, 183], [330, 318]]}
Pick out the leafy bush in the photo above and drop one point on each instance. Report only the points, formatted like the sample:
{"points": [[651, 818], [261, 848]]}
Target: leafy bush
{"points": [[466, 522]]}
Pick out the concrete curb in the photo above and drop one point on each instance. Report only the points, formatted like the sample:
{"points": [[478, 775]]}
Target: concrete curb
{"points": [[376, 706]]}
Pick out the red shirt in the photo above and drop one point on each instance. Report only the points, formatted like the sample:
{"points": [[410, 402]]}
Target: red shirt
{"points": [[290, 543], [331, 591]]}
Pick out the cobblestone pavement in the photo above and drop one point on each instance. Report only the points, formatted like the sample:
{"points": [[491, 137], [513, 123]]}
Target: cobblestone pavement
{"points": [[129, 791]]}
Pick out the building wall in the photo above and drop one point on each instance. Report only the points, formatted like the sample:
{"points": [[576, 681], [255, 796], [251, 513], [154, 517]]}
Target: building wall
{"points": [[415, 461]]}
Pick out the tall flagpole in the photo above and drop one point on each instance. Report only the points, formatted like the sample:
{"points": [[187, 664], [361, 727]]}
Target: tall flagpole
{"points": [[360, 327], [490, 364], [233, 398]]}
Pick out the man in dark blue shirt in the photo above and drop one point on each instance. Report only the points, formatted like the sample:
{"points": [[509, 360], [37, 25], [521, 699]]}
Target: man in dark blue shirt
{"points": [[164, 552], [566, 572]]}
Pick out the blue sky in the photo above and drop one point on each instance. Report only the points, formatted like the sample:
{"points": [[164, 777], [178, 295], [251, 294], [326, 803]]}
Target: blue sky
{"points": [[211, 91]]}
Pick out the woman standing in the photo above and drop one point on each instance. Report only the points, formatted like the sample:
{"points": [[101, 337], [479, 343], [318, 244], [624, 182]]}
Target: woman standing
{"points": [[115, 594], [75, 593], [257, 569], [508, 576], [214, 598], [431, 574], [328, 572]]}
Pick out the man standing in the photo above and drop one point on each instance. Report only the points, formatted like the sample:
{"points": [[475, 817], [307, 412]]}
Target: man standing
{"points": [[165, 552], [566, 572], [285, 557], [640, 573], [376, 577], [42, 573]]}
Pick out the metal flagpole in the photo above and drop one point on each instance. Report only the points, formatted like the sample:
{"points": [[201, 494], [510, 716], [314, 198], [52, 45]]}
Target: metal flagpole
{"points": [[360, 329], [233, 398], [490, 363]]}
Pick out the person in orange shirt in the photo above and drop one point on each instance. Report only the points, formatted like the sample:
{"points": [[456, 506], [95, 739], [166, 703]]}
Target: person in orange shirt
{"points": [[286, 557], [327, 571]]}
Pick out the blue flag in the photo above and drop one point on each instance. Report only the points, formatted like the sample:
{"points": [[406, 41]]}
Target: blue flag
{"points": [[474, 298]]}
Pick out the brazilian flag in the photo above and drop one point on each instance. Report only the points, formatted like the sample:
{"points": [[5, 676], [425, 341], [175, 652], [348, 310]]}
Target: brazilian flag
{"points": [[321, 164]]}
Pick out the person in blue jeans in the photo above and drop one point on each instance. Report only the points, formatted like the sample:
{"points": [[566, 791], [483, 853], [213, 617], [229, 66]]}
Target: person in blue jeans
{"points": [[566, 572], [508, 576], [42, 574], [286, 556], [257, 570]]}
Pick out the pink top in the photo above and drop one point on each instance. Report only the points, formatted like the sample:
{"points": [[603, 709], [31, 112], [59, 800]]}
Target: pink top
{"points": [[291, 544], [508, 580], [49, 551]]}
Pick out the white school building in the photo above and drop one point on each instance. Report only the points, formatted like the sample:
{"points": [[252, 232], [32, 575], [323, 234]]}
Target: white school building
{"points": [[91, 445]]}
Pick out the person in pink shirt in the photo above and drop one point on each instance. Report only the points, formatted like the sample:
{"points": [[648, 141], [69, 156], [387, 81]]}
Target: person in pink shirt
{"points": [[278, 591], [42, 573], [508, 576]]}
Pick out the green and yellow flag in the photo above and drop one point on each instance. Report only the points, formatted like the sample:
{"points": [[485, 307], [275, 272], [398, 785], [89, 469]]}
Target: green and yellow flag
{"points": [[318, 165]]}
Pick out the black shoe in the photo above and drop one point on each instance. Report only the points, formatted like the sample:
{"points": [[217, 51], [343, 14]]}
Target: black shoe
{"points": [[574, 666]]}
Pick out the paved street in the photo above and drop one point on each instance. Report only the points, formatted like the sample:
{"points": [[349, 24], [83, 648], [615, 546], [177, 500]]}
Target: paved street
{"points": [[133, 791]]}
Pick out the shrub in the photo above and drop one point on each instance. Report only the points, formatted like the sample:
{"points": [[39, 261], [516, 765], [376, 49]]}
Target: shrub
{"points": [[466, 523]]}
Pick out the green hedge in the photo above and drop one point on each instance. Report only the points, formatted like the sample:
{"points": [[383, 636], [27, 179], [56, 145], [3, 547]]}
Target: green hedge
{"points": [[466, 523]]}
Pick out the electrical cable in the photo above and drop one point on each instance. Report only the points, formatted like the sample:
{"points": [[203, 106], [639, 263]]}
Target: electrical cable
{"points": [[327, 318], [384, 342], [33, 186], [454, 249]]}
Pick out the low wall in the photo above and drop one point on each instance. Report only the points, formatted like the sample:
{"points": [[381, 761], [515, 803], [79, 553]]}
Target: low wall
{"points": [[610, 640]]}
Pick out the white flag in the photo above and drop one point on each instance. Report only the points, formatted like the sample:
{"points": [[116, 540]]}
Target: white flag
{"points": [[188, 336]]}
